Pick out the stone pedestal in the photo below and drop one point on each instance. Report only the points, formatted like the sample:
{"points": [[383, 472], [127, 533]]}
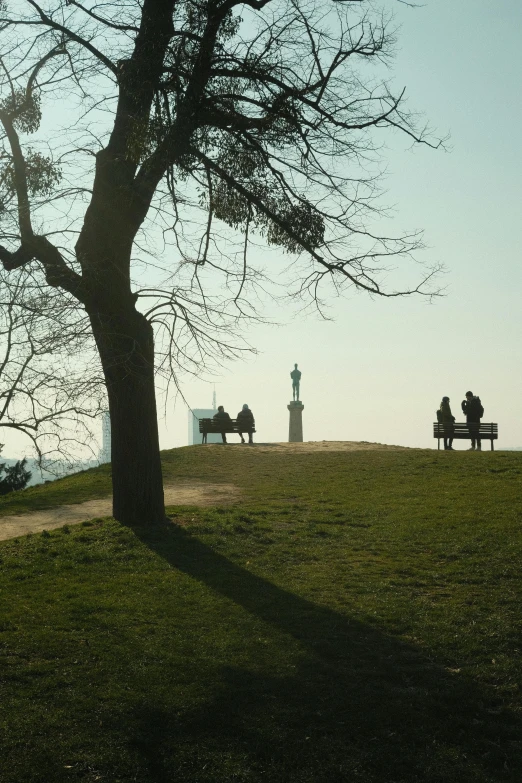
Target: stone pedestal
{"points": [[295, 431]]}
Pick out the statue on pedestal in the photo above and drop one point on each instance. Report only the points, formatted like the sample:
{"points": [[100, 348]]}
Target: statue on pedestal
{"points": [[295, 375]]}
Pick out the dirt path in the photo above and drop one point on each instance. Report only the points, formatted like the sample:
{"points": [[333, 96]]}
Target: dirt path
{"points": [[317, 445], [183, 494], [193, 493]]}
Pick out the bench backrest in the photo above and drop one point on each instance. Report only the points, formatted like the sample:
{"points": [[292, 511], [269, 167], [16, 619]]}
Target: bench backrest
{"points": [[209, 425], [485, 429]]}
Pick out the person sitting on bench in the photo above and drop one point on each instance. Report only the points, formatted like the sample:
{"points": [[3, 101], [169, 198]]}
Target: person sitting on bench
{"points": [[245, 423], [222, 417]]}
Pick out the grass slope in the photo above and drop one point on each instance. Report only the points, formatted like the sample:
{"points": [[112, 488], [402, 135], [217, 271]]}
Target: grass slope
{"points": [[356, 617]]}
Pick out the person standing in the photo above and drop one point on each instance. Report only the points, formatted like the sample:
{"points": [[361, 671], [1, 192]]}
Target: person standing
{"points": [[245, 423], [222, 418], [445, 417], [474, 411]]}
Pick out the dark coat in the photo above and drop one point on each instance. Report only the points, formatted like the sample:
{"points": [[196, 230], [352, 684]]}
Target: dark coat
{"points": [[245, 419], [445, 416], [473, 409], [222, 417]]}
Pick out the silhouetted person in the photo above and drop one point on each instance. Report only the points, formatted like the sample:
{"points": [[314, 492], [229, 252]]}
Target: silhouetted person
{"points": [[295, 375], [445, 417], [222, 417], [245, 423], [474, 411]]}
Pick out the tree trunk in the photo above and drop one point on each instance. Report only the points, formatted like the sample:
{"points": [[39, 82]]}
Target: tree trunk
{"points": [[126, 346]]}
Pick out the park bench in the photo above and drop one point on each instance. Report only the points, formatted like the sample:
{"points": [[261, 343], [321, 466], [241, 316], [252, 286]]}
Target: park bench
{"points": [[207, 426], [485, 431]]}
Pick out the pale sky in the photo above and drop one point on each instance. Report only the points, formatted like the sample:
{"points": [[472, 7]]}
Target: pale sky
{"points": [[378, 370]]}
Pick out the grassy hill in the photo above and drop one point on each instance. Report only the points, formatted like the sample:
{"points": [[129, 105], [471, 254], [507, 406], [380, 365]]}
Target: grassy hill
{"points": [[353, 616]]}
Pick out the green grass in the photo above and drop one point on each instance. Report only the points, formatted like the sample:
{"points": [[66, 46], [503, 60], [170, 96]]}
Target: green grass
{"points": [[354, 617], [86, 485]]}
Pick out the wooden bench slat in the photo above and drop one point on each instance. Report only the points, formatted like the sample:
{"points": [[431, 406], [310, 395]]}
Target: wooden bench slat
{"points": [[208, 425], [486, 433], [462, 427], [460, 434]]}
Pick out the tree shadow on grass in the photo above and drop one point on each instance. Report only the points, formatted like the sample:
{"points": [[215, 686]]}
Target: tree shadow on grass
{"points": [[360, 704]]}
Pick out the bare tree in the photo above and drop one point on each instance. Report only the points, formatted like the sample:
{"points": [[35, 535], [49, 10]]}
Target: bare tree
{"points": [[196, 129], [51, 390]]}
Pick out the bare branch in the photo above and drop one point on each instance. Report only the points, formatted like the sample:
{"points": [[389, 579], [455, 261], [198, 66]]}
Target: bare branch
{"points": [[73, 37], [105, 22]]}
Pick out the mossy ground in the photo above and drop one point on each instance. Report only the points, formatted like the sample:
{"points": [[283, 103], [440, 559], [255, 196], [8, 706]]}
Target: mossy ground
{"points": [[356, 617]]}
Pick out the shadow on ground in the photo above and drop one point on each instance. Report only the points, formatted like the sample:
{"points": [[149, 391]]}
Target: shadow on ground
{"points": [[375, 708]]}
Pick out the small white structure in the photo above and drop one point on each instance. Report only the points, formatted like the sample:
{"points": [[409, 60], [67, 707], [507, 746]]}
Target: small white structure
{"points": [[194, 435], [194, 414], [105, 451]]}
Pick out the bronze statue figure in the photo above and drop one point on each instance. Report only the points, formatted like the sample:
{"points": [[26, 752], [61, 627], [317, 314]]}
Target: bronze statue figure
{"points": [[295, 375]]}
